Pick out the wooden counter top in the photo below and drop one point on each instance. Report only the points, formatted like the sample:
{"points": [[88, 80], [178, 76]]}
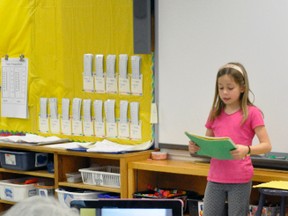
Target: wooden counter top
{"points": [[201, 169]]}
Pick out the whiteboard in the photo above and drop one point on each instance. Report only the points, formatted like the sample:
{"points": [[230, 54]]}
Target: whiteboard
{"points": [[195, 37]]}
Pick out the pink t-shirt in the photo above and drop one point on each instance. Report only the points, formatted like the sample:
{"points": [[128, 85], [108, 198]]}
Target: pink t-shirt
{"points": [[234, 171]]}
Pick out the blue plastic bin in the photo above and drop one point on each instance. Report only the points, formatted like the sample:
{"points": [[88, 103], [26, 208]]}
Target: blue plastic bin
{"points": [[23, 160]]}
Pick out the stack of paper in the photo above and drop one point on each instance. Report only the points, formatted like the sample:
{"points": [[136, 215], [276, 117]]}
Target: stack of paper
{"points": [[33, 139], [107, 146]]}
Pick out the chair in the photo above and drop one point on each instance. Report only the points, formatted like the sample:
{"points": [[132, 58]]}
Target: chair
{"points": [[272, 192]]}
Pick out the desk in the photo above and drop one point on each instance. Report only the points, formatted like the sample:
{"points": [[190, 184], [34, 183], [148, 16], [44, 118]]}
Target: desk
{"points": [[186, 175]]}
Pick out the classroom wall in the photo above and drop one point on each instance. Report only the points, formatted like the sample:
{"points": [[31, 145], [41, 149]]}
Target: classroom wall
{"points": [[54, 35]]}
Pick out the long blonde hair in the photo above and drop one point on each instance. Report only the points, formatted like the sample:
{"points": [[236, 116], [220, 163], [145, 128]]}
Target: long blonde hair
{"points": [[239, 74]]}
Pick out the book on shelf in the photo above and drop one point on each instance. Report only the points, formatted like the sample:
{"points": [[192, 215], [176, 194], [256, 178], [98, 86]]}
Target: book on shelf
{"points": [[215, 147]]}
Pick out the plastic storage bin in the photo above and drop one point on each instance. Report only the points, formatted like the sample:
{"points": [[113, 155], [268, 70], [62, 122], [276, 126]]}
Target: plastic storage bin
{"points": [[104, 176], [45, 190], [23, 160], [74, 177], [15, 190], [45, 187], [65, 196]]}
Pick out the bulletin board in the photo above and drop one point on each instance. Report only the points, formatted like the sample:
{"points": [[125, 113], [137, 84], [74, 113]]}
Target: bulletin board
{"points": [[54, 36]]}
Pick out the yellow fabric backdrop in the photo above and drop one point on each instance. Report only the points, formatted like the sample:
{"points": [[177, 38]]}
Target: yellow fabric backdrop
{"points": [[54, 35]]}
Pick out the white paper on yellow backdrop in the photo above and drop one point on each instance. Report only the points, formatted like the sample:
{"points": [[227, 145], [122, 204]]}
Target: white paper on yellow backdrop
{"points": [[57, 69], [14, 88]]}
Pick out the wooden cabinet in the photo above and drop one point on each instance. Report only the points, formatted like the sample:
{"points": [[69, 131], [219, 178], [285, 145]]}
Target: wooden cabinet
{"points": [[185, 175], [167, 174], [70, 161]]}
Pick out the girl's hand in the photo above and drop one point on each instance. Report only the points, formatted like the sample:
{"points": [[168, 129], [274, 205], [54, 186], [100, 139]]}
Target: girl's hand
{"points": [[240, 152], [192, 147]]}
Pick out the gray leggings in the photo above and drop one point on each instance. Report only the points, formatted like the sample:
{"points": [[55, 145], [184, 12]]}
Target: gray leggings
{"points": [[236, 195]]}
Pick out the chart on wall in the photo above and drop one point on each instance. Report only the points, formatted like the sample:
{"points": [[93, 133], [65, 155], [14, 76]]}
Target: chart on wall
{"points": [[14, 87]]}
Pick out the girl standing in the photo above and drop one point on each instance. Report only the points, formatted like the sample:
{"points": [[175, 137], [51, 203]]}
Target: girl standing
{"points": [[233, 115]]}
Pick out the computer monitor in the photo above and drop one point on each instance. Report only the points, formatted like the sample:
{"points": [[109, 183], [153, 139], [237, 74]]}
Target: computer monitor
{"points": [[129, 207]]}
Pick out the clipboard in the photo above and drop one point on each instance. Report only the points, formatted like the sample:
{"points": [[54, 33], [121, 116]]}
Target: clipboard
{"points": [[215, 147]]}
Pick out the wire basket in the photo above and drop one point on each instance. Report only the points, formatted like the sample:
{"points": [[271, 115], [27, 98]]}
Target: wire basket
{"points": [[104, 176]]}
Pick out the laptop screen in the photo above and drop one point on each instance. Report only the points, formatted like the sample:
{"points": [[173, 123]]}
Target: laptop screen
{"points": [[129, 207], [136, 212]]}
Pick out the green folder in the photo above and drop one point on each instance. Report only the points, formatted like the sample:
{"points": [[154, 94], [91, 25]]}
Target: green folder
{"points": [[215, 147]]}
